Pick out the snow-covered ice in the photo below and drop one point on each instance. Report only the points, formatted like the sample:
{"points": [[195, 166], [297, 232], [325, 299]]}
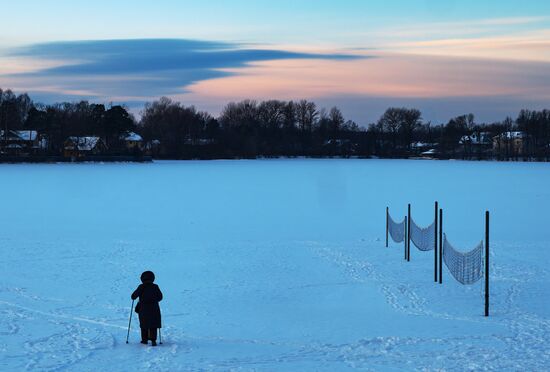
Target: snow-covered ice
{"points": [[270, 265]]}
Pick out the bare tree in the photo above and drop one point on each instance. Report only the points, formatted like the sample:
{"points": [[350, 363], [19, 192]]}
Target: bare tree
{"points": [[306, 115]]}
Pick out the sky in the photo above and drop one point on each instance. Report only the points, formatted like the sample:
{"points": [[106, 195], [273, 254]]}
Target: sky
{"points": [[446, 58]]}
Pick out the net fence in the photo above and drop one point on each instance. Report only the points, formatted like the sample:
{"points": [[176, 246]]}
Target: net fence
{"points": [[396, 229], [423, 237], [465, 267]]}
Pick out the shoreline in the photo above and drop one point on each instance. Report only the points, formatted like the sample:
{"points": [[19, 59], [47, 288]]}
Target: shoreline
{"points": [[150, 159]]}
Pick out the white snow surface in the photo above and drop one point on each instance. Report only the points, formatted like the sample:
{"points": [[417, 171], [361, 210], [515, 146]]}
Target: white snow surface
{"points": [[270, 265]]}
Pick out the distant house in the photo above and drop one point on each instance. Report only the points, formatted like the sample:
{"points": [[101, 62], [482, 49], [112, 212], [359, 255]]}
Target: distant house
{"points": [[14, 149], [419, 147], [132, 141], [512, 143], [16, 142], [152, 148], [42, 143], [430, 154], [476, 143], [477, 139], [82, 146]]}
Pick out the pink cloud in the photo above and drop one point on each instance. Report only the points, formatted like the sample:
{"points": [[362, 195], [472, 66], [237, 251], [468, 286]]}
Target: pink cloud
{"points": [[532, 46], [389, 75]]}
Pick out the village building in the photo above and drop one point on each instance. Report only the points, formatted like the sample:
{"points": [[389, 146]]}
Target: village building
{"points": [[430, 154], [419, 147], [477, 139], [132, 141], [18, 142], [476, 143], [512, 143], [76, 147], [152, 148]]}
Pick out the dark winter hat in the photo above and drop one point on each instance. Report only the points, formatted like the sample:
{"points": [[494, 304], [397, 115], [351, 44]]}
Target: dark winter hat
{"points": [[147, 277]]}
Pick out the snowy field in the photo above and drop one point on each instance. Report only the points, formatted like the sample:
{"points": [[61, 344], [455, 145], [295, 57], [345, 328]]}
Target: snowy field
{"points": [[270, 265]]}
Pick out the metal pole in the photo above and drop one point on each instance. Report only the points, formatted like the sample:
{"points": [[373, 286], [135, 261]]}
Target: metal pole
{"points": [[130, 321], [409, 234], [487, 263], [435, 243], [440, 246], [387, 214], [406, 235], [160, 336]]}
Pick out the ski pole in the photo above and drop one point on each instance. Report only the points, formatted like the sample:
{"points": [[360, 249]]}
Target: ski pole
{"points": [[160, 336], [130, 321]]}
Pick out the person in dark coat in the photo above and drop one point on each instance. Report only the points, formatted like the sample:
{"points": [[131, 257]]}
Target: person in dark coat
{"points": [[148, 307]]}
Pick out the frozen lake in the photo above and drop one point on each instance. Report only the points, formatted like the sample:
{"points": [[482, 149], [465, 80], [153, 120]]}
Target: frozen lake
{"points": [[270, 265]]}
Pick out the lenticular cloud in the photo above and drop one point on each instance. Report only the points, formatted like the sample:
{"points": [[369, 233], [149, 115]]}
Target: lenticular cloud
{"points": [[146, 67]]}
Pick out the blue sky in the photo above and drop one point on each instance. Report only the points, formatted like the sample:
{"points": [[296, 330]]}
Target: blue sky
{"points": [[282, 21], [439, 50]]}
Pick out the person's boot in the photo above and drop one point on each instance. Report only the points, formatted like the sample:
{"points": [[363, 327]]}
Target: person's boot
{"points": [[144, 336], [153, 343]]}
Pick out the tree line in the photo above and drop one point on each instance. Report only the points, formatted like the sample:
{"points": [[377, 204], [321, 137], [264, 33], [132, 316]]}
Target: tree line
{"points": [[271, 128]]}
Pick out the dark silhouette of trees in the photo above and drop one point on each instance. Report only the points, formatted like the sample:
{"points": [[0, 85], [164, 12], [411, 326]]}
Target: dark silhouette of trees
{"points": [[535, 125], [410, 121], [306, 115], [400, 124], [278, 128], [58, 121], [178, 128], [117, 121], [389, 124], [13, 110], [250, 129], [455, 129]]}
